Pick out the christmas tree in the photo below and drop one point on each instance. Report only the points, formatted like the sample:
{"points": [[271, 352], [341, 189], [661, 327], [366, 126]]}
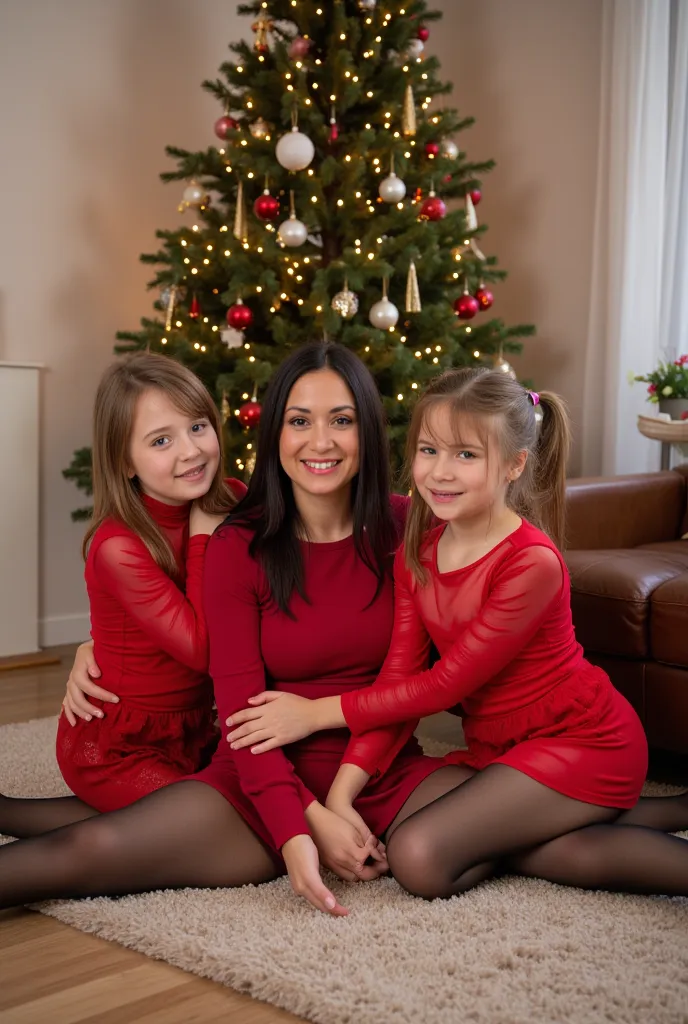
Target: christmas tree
{"points": [[336, 204]]}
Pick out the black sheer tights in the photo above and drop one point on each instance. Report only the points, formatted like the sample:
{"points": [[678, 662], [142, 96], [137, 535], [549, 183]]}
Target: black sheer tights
{"points": [[21, 817], [502, 821], [183, 835]]}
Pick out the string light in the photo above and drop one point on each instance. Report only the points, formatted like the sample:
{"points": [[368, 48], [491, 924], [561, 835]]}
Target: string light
{"points": [[476, 354], [348, 158], [163, 341], [468, 330], [400, 398], [187, 260], [183, 242], [239, 68], [206, 261], [340, 202], [318, 309], [228, 252], [414, 386], [209, 248], [194, 270]]}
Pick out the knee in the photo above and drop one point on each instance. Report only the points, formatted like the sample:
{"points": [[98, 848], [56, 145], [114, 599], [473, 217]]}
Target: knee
{"points": [[415, 866], [92, 842]]}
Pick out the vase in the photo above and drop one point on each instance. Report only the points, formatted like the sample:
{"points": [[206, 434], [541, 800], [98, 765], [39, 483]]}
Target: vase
{"points": [[674, 407]]}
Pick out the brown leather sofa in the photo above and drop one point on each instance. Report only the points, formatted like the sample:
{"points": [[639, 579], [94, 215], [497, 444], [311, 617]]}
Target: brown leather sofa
{"points": [[629, 583]]}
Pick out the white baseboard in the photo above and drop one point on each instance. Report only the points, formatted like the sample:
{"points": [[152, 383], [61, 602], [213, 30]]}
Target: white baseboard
{"points": [[64, 629]]}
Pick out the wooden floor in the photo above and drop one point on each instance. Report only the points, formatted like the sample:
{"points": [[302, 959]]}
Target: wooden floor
{"points": [[52, 974]]}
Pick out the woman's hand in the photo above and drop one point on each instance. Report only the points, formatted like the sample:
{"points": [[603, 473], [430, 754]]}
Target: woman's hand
{"points": [[345, 845], [275, 719], [303, 865], [80, 683], [203, 522]]}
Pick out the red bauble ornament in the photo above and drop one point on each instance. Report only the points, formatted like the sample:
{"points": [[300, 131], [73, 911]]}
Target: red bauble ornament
{"points": [[432, 148], [299, 47], [466, 306], [239, 316], [485, 298], [224, 125], [447, 178], [249, 414], [476, 195], [194, 309], [266, 207], [334, 131], [433, 208], [423, 34]]}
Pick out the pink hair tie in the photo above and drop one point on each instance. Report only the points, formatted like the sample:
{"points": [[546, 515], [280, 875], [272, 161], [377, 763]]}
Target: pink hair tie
{"points": [[534, 397]]}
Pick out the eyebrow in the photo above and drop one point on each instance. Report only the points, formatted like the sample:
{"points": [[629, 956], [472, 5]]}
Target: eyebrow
{"points": [[460, 447], [337, 408], [158, 430]]}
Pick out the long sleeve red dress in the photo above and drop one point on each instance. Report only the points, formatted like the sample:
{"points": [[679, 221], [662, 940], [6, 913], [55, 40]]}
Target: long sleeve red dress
{"points": [[151, 645], [335, 642], [509, 656]]}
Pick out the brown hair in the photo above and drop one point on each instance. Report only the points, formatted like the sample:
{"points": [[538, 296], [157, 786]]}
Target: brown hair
{"points": [[117, 496], [485, 395]]}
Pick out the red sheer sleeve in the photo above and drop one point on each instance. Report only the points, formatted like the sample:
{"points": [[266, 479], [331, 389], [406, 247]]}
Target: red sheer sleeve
{"points": [[374, 751], [522, 593], [172, 619], [233, 604]]}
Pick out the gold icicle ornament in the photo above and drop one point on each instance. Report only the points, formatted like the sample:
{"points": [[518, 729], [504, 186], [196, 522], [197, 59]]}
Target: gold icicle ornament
{"points": [[224, 407], [413, 304], [169, 312], [240, 222], [408, 117]]}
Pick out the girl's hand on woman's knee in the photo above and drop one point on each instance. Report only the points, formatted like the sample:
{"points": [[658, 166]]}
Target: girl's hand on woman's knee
{"points": [[81, 683], [303, 865]]}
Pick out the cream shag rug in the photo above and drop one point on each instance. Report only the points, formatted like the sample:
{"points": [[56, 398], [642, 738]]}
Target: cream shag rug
{"points": [[514, 951]]}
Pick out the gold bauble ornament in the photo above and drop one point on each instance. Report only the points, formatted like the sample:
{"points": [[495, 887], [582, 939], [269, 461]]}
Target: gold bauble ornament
{"points": [[345, 303], [260, 128]]}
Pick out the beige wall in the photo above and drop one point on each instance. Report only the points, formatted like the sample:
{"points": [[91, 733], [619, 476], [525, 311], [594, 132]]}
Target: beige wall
{"points": [[92, 90]]}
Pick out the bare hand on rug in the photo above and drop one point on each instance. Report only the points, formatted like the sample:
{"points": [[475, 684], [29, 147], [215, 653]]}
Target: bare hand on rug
{"points": [[80, 683], [303, 865], [345, 845], [279, 718]]}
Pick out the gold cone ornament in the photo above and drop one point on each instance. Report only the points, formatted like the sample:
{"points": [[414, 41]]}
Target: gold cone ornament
{"points": [[240, 223], [471, 215], [413, 304], [408, 117]]}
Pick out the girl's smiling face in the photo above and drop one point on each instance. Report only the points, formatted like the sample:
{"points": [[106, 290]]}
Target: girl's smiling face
{"points": [[174, 456]]}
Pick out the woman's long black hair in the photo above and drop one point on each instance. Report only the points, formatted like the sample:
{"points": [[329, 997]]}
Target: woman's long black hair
{"points": [[269, 508]]}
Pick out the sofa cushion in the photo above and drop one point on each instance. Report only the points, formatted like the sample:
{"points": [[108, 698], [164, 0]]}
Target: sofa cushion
{"points": [[669, 622], [676, 550], [666, 701], [610, 594]]}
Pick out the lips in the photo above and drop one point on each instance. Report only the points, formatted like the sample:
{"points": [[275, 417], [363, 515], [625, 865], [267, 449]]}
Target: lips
{"points": [[320, 466], [445, 496], [193, 474]]}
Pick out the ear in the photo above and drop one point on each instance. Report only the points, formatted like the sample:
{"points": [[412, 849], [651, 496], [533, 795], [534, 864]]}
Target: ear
{"points": [[518, 466]]}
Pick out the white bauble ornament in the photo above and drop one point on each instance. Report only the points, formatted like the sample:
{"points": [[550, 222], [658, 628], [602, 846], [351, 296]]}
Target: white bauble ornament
{"points": [[383, 314], [392, 189], [415, 49], [294, 151], [367, 5], [449, 149], [193, 194], [292, 232], [345, 303]]}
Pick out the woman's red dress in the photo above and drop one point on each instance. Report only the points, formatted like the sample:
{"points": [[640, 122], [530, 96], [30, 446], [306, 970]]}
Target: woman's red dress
{"points": [[151, 645], [336, 641], [509, 656]]}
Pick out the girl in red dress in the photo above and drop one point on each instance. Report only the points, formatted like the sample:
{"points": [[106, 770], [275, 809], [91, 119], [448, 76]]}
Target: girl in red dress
{"points": [[298, 595], [556, 756], [158, 495]]}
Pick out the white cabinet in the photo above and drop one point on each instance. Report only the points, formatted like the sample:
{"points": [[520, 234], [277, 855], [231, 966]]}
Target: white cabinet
{"points": [[19, 538]]}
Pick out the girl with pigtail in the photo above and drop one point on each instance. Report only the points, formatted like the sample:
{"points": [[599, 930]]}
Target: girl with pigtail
{"points": [[556, 757]]}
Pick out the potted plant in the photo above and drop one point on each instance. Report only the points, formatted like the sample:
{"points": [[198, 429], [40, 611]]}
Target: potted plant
{"points": [[667, 387]]}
